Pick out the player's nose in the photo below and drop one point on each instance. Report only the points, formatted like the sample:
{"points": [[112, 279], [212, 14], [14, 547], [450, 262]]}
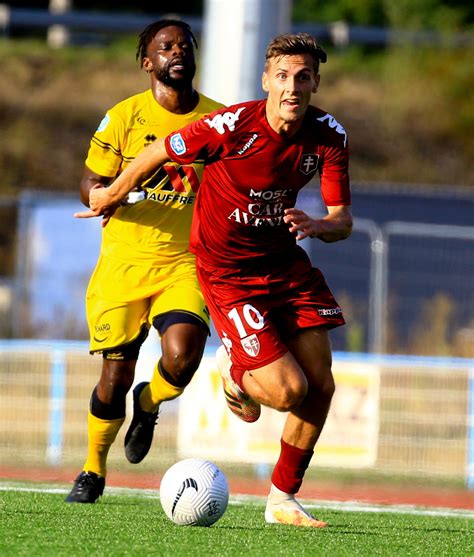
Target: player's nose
{"points": [[177, 50], [291, 84]]}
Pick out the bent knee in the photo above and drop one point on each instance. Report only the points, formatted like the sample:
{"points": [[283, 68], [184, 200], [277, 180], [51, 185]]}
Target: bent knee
{"points": [[181, 365], [288, 398]]}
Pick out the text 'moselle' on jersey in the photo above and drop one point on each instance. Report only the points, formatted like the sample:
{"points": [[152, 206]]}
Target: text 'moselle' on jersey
{"points": [[252, 174], [157, 229]]}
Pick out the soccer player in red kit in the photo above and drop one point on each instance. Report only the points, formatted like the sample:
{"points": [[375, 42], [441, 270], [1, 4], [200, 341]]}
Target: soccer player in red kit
{"points": [[271, 308]]}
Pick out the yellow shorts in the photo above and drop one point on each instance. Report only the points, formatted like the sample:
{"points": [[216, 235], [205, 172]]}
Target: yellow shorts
{"points": [[122, 298]]}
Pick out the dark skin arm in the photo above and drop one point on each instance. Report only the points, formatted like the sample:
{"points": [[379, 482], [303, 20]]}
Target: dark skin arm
{"points": [[88, 181], [106, 200]]}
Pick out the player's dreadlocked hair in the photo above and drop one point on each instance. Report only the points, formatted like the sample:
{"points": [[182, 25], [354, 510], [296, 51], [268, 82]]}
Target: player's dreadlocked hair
{"points": [[146, 36], [300, 43]]}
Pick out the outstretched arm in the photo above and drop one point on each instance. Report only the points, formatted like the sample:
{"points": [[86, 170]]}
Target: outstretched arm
{"points": [[104, 199], [335, 226]]}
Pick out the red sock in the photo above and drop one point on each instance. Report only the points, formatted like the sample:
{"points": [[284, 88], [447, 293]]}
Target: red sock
{"points": [[290, 468]]}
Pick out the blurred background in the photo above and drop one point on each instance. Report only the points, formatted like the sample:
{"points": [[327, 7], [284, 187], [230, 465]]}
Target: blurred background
{"points": [[400, 78]]}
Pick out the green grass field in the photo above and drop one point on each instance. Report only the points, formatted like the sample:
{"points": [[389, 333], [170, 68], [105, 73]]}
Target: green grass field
{"points": [[34, 520]]}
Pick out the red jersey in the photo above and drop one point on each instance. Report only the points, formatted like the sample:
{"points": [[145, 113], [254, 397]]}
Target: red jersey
{"points": [[252, 174]]}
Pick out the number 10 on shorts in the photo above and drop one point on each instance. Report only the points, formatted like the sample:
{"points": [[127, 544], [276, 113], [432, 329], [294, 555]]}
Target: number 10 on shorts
{"points": [[251, 316]]}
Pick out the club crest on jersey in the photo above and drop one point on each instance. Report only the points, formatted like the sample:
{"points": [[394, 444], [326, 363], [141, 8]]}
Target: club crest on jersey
{"points": [[309, 163], [177, 144], [251, 345]]}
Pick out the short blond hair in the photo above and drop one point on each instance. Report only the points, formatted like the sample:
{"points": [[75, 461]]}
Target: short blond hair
{"points": [[298, 43]]}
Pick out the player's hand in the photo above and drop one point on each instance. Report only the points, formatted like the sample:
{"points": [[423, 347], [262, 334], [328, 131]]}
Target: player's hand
{"points": [[87, 214], [99, 205], [90, 213], [300, 224], [100, 199]]}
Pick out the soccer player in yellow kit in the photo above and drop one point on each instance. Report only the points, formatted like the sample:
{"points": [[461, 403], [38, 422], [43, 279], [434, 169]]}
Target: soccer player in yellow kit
{"points": [[145, 276]]}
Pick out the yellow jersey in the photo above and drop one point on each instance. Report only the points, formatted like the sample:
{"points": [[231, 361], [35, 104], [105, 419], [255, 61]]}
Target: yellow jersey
{"points": [[155, 230]]}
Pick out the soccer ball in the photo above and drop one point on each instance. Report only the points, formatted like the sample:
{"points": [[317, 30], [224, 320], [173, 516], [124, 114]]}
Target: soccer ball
{"points": [[194, 492]]}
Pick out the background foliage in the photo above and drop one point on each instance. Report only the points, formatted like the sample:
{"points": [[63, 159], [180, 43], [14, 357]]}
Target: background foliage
{"points": [[439, 14], [411, 13], [408, 111]]}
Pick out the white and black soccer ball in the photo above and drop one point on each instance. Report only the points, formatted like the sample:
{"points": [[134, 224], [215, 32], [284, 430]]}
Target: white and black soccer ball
{"points": [[194, 492]]}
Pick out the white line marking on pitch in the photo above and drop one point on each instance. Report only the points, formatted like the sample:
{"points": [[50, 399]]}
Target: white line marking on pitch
{"points": [[349, 506]]}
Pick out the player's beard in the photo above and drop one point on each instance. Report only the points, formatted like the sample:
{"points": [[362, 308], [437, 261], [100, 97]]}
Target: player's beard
{"points": [[185, 80]]}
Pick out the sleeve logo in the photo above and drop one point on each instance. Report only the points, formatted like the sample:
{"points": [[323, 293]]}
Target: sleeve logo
{"points": [[177, 144], [104, 123], [334, 124], [221, 120]]}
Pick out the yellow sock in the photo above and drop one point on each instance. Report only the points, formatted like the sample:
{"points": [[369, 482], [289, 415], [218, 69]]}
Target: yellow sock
{"points": [[102, 434], [158, 391]]}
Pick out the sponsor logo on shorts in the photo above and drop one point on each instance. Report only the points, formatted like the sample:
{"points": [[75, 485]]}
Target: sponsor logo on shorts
{"points": [[100, 340], [329, 312], [251, 345], [102, 332], [177, 144]]}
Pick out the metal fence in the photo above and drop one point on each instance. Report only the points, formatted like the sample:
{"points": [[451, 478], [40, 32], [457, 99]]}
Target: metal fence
{"points": [[339, 33], [405, 287], [385, 415], [408, 287]]}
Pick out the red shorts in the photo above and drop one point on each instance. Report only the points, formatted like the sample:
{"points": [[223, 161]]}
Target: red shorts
{"points": [[256, 309]]}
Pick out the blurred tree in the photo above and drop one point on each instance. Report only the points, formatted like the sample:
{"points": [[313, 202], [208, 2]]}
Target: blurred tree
{"points": [[192, 7], [422, 14], [465, 6], [358, 12], [433, 13], [403, 13]]}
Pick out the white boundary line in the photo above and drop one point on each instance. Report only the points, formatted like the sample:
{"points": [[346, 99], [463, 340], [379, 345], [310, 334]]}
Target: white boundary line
{"points": [[356, 506], [346, 506]]}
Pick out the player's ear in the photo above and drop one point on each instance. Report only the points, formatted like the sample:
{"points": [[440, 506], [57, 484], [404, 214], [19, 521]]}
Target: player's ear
{"points": [[265, 82], [147, 64]]}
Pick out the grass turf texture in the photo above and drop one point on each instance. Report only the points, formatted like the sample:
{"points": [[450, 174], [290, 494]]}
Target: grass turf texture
{"points": [[40, 523]]}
